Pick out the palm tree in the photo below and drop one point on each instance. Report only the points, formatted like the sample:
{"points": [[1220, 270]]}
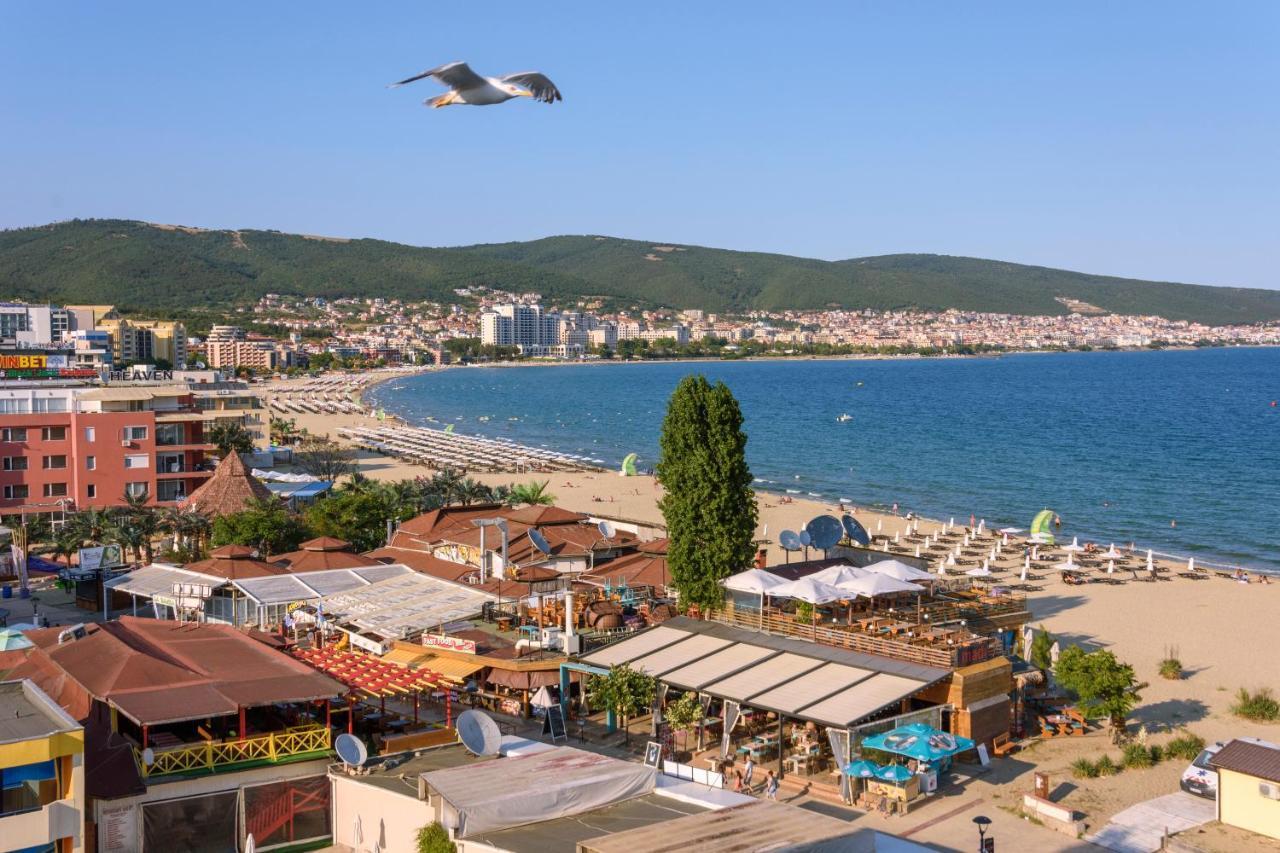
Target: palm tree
{"points": [[128, 536], [189, 527], [532, 493], [65, 542], [89, 525], [357, 482], [142, 519], [471, 491]]}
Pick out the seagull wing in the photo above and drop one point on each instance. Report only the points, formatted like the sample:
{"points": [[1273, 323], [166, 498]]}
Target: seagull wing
{"points": [[455, 75], [538, 83]]}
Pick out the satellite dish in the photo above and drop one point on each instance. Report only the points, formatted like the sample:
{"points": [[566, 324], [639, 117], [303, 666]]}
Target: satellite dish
{"points": [[824, 531], [479, 733], [539, 541], [148, 756], [789, 540], [606, 529], [351, 750], [805, 539], [855, 531]]}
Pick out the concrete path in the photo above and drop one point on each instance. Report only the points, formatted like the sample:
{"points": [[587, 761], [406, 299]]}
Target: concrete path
{"points": [[1141, 828]]}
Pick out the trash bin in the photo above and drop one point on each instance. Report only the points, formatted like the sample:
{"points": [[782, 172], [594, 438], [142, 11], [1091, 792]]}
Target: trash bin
{"points": [[7, 593]]}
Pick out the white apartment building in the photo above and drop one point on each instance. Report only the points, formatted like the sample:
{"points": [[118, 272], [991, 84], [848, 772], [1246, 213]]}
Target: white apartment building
{"points": [[34, 325], [519, 325]]}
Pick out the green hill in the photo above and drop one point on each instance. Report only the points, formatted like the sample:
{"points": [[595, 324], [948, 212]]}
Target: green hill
{"points": [[151, 267]]}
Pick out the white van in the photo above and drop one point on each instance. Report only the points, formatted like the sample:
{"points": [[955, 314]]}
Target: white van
{"points": [[1200, 778]]}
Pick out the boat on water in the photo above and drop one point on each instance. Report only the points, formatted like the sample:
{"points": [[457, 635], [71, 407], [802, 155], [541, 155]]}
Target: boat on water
{"points": [[844, 417]]}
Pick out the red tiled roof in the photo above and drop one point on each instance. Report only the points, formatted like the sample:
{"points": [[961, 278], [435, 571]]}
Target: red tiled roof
{"points": [[231, 489], [318, 555], [235, 562], [159, 671], [635, 569]]}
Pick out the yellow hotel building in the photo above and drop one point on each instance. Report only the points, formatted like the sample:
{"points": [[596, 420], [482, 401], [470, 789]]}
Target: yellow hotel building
{"points": [[42, 768]]}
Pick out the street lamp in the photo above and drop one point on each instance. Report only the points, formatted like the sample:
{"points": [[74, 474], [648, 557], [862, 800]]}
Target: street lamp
{"points": [[501, 524], [983, 822]]}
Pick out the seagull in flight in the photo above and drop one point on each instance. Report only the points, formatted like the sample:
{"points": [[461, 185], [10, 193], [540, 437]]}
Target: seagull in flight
{"points": [[468, 87]]}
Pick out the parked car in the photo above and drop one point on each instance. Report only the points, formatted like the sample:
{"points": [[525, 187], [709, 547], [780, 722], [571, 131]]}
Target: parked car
{"points": [[1200, 778]]}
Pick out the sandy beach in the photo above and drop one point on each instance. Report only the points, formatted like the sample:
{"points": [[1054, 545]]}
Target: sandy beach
{"points": [[1223, 631]]}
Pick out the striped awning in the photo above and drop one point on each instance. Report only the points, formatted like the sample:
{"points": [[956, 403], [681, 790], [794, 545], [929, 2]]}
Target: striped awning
{"points": [[369, 674]]}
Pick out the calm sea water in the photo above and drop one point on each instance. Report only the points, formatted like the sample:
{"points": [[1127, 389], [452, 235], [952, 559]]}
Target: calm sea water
{"points": [[1120, 444]]}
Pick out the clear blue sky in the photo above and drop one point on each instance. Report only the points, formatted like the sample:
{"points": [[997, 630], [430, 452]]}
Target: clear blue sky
{"points": [[1134, 139]]}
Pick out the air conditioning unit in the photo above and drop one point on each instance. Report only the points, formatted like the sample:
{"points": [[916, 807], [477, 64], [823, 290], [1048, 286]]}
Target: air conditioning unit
{"points": [[573, 644], [1269, 790], [74, 632], [551, 638], [124, 442]]}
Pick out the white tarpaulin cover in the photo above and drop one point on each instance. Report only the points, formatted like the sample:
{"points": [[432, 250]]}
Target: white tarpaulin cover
{"points": [[559, 782]]}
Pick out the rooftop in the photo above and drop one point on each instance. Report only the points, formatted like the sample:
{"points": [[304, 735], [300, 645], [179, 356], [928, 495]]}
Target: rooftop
{"points": [[1260, 760], [566, 833], [157, 672], [27, 713], [758, 826]]}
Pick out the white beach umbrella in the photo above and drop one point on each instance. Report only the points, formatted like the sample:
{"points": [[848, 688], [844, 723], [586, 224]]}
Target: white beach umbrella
{"points": [[810, 591], [897, 537], [837, 575], [879, 524], [250, 846], [1191, 564], [875, 584], [755, 580], [1066, 565], [1023, 576], [982, 525], [1111, 567], [951, 559], [1113, 554], [1035, 552], [1074, 547], [917, 550], [1007, 531], [1151, 561], [983, 572], [899, 570], [942, 567]]}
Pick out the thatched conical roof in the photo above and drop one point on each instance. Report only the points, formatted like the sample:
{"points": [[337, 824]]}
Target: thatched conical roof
{"points": [[231, 489]]}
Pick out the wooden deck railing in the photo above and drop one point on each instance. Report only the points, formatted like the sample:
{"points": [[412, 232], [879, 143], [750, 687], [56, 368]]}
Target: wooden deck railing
{"points": [[974, 650], [210, 756]]}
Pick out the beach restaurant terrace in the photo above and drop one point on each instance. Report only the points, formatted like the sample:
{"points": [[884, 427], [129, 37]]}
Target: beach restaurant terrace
{"points": [[943, 622], [756, 685]]}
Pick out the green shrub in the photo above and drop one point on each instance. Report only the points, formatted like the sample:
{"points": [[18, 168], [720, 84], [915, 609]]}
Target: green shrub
{"points": [[434, 838], [1136, 755], [1083, 768], [1106, 766], [1157, 754], [1186, 746], [1260, 705], [1171, 668]]}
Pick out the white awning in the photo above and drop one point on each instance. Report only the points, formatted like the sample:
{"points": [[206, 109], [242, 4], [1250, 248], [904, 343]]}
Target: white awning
{"points": [[640, 645], [862, 700], [720, 665], [675, 656], [761, 677], [812, 687], [159, 578]]}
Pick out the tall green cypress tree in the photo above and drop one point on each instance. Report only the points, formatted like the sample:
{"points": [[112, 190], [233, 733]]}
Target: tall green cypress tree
{"points": [[709, 505]]}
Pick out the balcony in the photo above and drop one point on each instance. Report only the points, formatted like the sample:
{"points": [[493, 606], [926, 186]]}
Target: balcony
{"points": [[37, 827], [295, 744]]}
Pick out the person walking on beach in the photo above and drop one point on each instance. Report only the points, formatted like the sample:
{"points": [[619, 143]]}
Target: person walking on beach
{"points": [[747, 771]]}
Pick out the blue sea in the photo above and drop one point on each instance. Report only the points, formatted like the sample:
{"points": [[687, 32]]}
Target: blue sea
{"points": [[1121, 444]]}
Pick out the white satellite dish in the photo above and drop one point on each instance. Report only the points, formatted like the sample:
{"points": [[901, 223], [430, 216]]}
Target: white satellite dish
{"points": [[148, 756], [606, 529], [351, 750], [479, 733]]}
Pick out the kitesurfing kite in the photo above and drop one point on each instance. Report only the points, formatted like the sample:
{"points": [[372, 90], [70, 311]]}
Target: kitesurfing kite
{"points": [[468, 87]]}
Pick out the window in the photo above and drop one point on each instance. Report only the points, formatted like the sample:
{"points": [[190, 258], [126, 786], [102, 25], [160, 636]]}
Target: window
{"points": [[90, 434], [13, 434], [135, 433], [91, 463], [135, 490], [49, 404], [11, 406], [55, 490], [92, 491], [15, 463], [52, 462], [20, 492], [29, 787], [137, 460], [53, 433]]}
